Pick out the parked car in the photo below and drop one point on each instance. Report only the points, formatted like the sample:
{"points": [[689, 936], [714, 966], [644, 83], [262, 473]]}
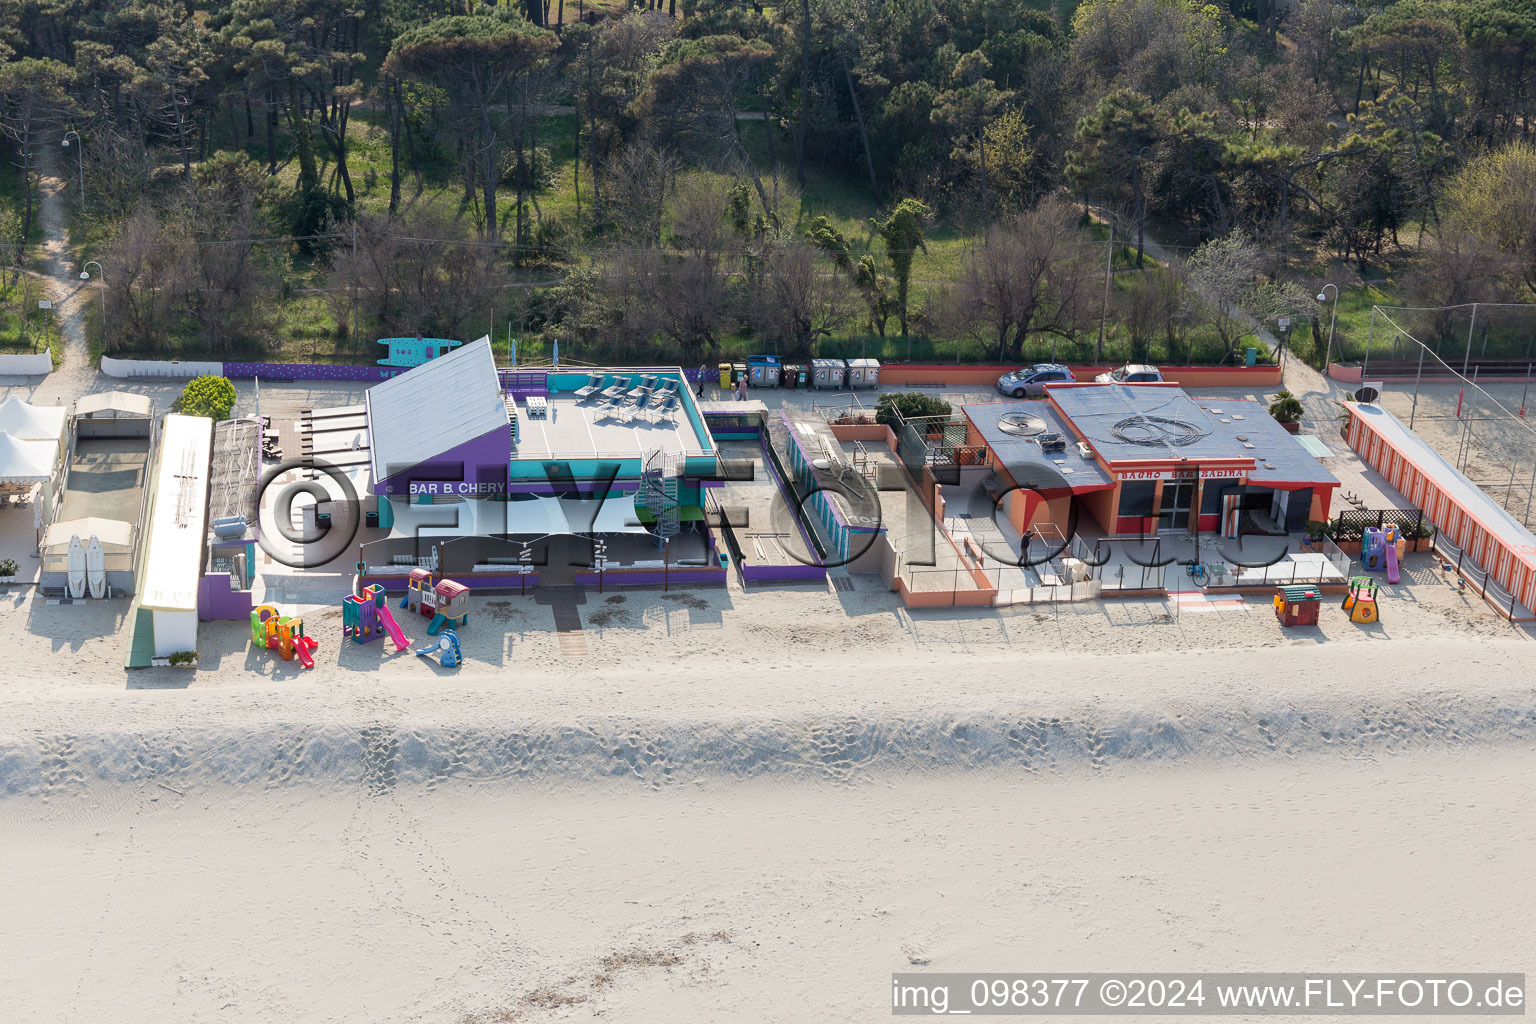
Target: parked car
{"points": [[1131, 373], [1031, 380]]}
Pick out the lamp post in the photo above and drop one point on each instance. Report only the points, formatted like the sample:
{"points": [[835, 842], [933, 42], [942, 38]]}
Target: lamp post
{"points": [[79, 161], [1322, 296], [101, 289]]}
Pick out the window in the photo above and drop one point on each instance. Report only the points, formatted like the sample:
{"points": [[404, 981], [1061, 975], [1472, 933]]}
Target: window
{"points": [[1211, 494], [1136, 497]]}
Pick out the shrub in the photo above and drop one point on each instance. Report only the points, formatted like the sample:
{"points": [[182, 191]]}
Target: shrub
{"points": [[1286, 408], [8, 567], [1316, 530], [893, 407], [183, 658], [207, 396]]}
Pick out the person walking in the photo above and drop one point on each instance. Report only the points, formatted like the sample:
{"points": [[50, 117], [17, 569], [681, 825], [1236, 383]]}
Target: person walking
{"points": [[741, 388], [701, 380]]}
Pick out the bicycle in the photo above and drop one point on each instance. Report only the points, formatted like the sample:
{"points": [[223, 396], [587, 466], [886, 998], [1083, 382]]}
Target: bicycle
{"points": [[1199, 572]]}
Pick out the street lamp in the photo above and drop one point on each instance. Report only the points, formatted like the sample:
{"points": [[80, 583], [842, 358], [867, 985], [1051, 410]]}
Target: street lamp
{"points": [[79, 160], [101, 289], [1322, 296]]}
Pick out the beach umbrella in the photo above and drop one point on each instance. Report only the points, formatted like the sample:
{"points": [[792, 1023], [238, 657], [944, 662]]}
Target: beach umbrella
{"points": [[554, 356], [514, 352]]}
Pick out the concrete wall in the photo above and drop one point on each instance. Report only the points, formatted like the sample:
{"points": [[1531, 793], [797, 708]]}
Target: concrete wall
{"points": [[175, 631], [894, 376], [22, 364], [114, 367]]}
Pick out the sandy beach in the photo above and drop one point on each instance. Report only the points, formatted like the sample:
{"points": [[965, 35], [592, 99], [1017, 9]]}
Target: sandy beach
{"points": [[756, 806]]}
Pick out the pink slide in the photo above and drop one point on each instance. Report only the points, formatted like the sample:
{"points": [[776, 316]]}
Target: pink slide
{"points": [[1390, 550], [396, 634], [302, 646]]}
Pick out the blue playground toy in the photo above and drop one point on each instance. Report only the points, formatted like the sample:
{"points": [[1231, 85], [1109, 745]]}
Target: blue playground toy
{"points": [[446, 648]]}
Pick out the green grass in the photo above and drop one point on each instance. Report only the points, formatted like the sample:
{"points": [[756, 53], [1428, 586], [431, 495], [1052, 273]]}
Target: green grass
{"points": [[23, 326]]}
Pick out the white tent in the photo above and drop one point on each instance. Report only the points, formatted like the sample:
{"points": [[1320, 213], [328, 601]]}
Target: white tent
{"points": [[32, 422], [26, 462]]}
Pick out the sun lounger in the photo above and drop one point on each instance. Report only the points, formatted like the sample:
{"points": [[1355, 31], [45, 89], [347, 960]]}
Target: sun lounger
{"points": [[616, 390], [593, 386], [644, 387]]}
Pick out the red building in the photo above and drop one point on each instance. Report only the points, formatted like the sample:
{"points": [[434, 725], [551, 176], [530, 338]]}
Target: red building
{"points": [[1146, 458]]}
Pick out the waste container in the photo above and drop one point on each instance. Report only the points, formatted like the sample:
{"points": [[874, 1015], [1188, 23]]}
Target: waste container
{"points": [[828, 373], [795, 375], [727, 377], [371, 520], [322, 521], [863, 373], [763, 371]]}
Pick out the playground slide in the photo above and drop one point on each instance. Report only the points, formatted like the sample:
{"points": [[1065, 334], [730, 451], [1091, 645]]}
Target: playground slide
{"points": [[438, 622], [1391, 555], [396, 634], [302, 646]]}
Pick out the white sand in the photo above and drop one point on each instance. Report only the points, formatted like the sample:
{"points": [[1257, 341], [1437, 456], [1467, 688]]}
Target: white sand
{"points": [[754, 806]]}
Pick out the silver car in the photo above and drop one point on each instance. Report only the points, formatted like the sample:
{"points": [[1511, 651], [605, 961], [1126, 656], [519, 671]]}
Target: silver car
{"points": [[1131, 373], [1030, 381]]}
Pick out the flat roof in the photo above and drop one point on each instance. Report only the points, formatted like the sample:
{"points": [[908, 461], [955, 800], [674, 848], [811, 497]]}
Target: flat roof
{"points": [[573, 429], [112, 532], [1013, 450], [236, 472], [1473, 500], [173, 561], [1161, 423], [434, 408]]}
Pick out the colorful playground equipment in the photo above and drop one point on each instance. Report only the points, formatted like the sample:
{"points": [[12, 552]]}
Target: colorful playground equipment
{"points": [[1298, 605], [282, 634], [446, 648], [1360, 602], [365, 616], [446, 601], [1378, 551]]}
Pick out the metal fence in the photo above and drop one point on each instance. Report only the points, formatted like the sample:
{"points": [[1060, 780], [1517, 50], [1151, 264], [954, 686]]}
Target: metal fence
{"points": [[1481, 580]]}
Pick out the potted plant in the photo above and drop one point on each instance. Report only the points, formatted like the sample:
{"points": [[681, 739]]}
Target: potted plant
{"points": [[178, 659], [1287, 411], [8, 567]]}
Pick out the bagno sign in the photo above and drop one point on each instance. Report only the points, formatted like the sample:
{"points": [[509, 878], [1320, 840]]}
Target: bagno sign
{"points": [[1192, 473]]}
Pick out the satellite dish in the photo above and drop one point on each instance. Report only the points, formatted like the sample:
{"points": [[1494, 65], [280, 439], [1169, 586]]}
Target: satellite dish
{"points": [[1368, 394]]}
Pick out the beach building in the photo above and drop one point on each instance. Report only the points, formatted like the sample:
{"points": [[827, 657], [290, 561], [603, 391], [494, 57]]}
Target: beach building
{"points": [[529, 475], [1145, 459], [103, 494], [165, 619]]}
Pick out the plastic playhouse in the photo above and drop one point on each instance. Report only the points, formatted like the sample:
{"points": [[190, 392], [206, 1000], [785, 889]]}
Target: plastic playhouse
{"points": [[1298, 605], [366, 616], [446, 648], [445, 601], [1360, 602], [282, 634], [1378, 551]]}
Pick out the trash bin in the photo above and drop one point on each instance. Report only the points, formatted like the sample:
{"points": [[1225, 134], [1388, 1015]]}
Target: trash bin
{"points": [[763, 371], [727, 381], [863, 373], [738, 371], [322, 521], [371, 520], [1251, 358], [828, 373], [795, 375]]}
